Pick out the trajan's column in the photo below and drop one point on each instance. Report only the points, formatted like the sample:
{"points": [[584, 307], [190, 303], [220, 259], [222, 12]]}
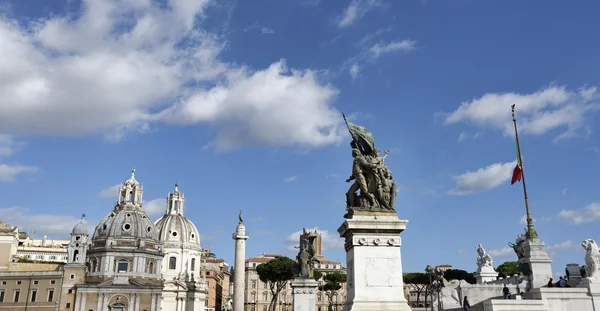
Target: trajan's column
{"points": [[240, 238]]}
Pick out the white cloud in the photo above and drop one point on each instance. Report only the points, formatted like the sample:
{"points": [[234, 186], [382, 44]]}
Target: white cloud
{"points": [[354, 71], [394, 46], [523, 220], [590, 213], [459, 251], [328, 241], [564, 192], [500, 253], [560, 246], [53, 225], [290, 179], [8, 145], [8, 173], [483, 179], [131, 78], [355, 11], [267, 31], [155, 207], [110, 192], [462, 136], [551, 108]]}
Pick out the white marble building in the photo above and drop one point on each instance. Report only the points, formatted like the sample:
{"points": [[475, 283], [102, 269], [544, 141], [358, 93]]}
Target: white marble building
{"points": [[185, 288]]}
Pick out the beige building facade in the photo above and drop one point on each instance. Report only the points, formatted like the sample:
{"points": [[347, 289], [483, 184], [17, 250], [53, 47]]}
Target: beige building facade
{"points": [[217, 276]]}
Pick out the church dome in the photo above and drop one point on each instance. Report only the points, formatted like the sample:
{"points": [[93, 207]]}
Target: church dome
{"points": [[174, 227], [128, 218], [80, 228], [126, 223]]}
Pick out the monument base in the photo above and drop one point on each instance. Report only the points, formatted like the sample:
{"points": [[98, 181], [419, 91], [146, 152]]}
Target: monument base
{"points": [[374, 275], [304, 292], [539, 263], [486, 274]]}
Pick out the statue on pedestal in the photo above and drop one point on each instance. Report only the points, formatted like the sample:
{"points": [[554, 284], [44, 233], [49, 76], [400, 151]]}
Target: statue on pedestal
{"points": [[484, 259], [370, 174], [306, 258]]}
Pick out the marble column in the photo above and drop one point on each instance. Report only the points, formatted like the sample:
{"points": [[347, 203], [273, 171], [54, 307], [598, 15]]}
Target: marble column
{"points": [[240, 238]]}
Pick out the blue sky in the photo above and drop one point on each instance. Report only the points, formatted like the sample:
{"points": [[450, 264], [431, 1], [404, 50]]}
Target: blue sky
{"points": [[240, 103]]}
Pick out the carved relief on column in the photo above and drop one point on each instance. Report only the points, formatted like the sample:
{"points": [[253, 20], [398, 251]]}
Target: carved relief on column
{"points": [[382, 240]]}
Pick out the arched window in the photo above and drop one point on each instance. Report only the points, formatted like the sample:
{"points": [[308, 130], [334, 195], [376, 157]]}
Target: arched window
{"points": [[319, 297], [265, 297], [193, 264], [94, 265], [151, 267], [172, 263], [75, 255]]}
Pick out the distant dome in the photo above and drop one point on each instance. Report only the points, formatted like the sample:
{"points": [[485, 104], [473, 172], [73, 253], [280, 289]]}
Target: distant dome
{"points": [[174, 227], [177, 229], [80, 228], [132, 223]]}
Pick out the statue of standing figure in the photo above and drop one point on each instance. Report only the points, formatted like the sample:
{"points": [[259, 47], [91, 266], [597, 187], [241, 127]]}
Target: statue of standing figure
{"points": [[370, 174], [306, 258]]}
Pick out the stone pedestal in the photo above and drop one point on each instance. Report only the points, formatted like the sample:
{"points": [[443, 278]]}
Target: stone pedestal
{"points": [[304, 291], [574, 274], [374, 281], [486, 274], [539, 262]]}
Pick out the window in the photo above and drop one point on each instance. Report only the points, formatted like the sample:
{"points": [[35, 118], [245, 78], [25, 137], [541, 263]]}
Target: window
{"points": [[52, 282], [16, 296], [77, 238], [265, 298], [35, 282], [253, 297], [72, 276], [70, 291], [75, 255], [253, 284], [1, 295], [172, 263], [319, 309], [33, 295], [265, 285], [207, 272], [123, 266], [193, 264], [18, 282], [68, 306], [151, 267], [319, 297], [50, 295], [264, 308], [3, 282]]}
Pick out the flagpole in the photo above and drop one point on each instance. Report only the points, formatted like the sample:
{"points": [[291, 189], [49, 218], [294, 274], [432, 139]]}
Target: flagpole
{"points": [[531, 233]]}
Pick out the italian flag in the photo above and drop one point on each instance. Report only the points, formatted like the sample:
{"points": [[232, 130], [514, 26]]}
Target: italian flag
{"points": [[518, 171]]}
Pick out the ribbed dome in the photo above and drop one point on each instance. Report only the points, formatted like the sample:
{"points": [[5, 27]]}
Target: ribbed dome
{"points": [[173, 226], [177, 228], [126, 223], [80, 228]]}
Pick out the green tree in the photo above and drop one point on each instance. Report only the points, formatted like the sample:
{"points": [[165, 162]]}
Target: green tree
{"points": [[276, 273], [317, 275], [333, 282], [507, 269], [418, 282], [456, 274]]}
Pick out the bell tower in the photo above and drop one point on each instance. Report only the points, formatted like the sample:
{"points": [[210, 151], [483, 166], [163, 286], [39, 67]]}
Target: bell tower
{"points": [[130, 194], [77, 248]]}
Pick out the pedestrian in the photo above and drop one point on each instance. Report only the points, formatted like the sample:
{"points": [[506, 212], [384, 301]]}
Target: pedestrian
{"points": [[505, 292], [567, 273], [466, 304]]}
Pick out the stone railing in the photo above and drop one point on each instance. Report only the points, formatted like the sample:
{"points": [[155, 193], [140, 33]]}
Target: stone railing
{"points": [[511, 280]]}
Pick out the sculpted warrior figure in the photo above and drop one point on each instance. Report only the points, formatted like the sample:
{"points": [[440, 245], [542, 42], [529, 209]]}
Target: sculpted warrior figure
{"points": [[370, 173], [483, 259]]}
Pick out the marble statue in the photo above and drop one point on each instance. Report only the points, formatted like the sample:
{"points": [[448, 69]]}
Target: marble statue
{"points": [[374, 187], [483, 259], [306, 258], [592, 259]]}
